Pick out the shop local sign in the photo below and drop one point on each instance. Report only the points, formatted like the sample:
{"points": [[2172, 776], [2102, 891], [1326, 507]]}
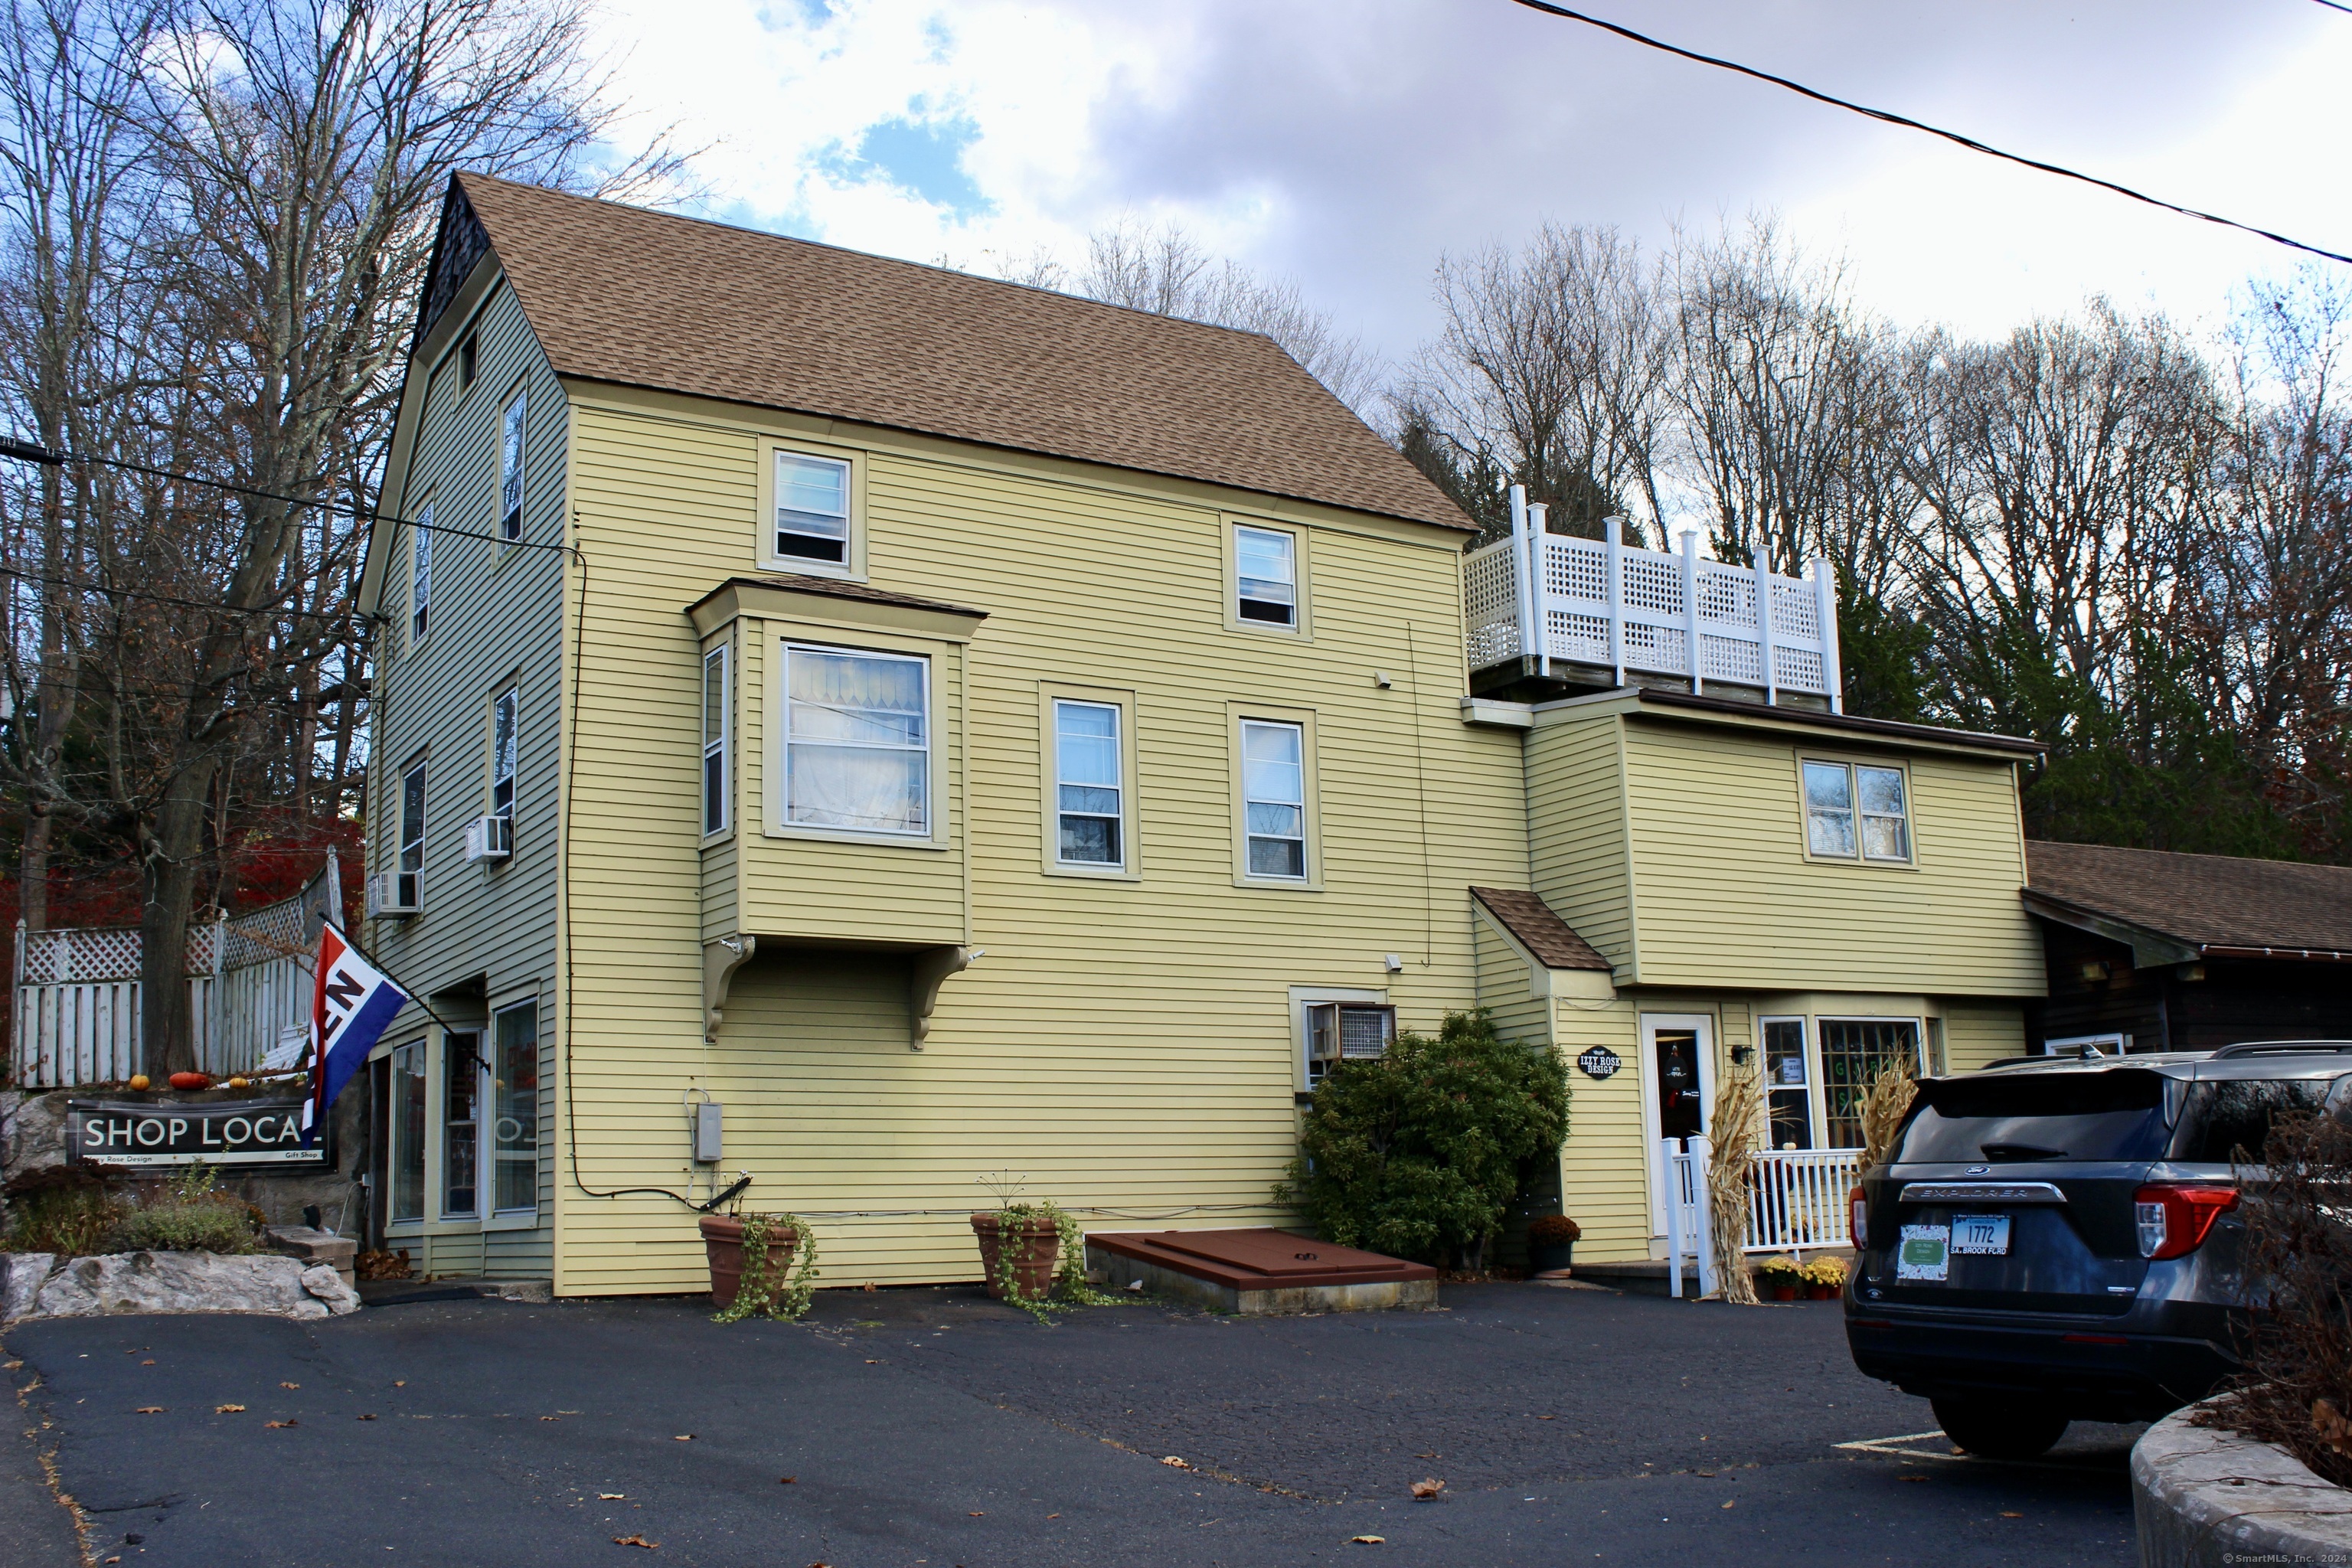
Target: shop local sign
{"points": [[240, 1132]]}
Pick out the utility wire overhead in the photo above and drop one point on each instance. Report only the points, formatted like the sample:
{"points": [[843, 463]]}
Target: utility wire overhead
{"points": [[1971, 143]]}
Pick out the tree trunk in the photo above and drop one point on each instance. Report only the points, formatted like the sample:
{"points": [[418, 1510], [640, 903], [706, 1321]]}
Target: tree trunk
{"points": [[167, 1026], [33, 875]]}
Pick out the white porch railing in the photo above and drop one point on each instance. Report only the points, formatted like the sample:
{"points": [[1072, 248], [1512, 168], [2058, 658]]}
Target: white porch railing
{"points": [[250, 991], [1688, 1232], [1797, 1199], [1609, 606]]}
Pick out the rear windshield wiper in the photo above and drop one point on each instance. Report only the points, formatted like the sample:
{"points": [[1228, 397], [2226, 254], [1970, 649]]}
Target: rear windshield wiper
{"points": [[2020, 1152]]}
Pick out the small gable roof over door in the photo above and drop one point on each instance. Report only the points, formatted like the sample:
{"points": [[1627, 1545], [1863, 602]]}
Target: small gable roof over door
{"points": [[638, 298]]}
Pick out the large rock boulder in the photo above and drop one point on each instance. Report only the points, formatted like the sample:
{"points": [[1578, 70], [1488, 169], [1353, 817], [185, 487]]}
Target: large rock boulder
{"points": [[22, 1275], [2204, 1496], [122, 1282]]}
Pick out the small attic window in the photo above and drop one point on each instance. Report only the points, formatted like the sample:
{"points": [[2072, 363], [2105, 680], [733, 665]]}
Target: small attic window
{"points": [[470, 358]]}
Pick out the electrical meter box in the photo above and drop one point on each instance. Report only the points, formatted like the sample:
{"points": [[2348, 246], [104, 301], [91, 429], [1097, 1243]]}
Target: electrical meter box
{"points": [[709, 1119]]}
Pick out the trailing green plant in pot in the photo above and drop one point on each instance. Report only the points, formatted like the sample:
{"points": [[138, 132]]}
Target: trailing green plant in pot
{"points": [[752, 1265], [1551, 1242], [1032, 1254]]}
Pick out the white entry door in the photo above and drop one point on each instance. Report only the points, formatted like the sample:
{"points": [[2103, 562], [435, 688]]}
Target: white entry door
{"points": [[1677, 1091]]}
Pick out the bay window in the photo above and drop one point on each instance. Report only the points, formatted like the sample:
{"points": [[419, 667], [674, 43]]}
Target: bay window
{"points": [[857, 740]]}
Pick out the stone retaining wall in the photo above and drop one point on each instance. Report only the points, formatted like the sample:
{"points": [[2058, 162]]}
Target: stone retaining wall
{"points": [[39, 1285], [2203, 1498]]}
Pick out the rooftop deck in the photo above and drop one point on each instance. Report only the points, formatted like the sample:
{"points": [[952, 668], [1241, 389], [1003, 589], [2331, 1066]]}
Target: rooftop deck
{"points": [[1600, 612]]}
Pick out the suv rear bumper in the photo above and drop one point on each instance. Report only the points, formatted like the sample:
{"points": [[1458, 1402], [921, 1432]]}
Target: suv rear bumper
{"points": [[2093, 1372]]}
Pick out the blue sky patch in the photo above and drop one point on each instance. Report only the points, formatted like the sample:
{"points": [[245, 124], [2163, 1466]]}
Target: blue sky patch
{"points": [[924, 157]]}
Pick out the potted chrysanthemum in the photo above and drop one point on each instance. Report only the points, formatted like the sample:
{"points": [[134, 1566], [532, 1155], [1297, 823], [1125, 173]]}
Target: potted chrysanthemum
{"points": [[1551, 1242]]}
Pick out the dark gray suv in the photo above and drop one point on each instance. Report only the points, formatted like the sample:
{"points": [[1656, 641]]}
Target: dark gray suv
{"points": [[2057, 1239]]}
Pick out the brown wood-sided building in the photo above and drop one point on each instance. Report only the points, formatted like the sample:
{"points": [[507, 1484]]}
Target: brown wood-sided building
{"points": [[2149, 951]]}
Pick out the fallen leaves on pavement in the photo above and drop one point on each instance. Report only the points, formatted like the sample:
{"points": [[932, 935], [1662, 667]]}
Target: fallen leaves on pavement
{"points": [[289, 1421], [228, 1409], [289, 1385], [1424, 1490], [367, 1418], [1175, 1463], [1368, 1540], [636, 1541], [1728, 1501], [613, 1496], [683, 1438], [786, 1480], [150, 1410]]}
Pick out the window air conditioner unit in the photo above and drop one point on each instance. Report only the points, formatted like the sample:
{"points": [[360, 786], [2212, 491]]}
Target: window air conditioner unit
{"points": [[489, 838], [392, 895]]}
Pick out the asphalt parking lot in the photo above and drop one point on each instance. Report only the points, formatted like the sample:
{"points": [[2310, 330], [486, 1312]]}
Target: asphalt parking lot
{"points": [[933, 1427]]}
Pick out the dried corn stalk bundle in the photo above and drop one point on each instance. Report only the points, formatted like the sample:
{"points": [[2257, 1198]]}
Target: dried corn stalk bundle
{"points": [[1738, 1108], [1883, 1111]]}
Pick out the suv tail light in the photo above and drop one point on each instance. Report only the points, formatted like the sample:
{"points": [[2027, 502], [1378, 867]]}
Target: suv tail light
{"points": [[2174, 1221], [1858, 1211]]}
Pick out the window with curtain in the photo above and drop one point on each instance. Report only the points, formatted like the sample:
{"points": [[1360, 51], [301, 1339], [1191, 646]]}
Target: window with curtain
{"points": [[1266, 566], [514, 1107], [1854, 1051], [407, 1200], [714, 740], [1857, 810], [812, 508], [420, 566], [510, 470], [411, 865], [857, 740], [461, 1125], [1090, 798], [1274, 798]]}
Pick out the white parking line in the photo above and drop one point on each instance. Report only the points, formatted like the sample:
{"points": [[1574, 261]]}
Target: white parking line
{"points": [[1891, 1446]]}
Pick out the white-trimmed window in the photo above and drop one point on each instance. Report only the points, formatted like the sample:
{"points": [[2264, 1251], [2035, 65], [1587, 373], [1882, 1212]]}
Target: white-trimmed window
{"points": [[405, 1201], [410, 865], [812, 508], [714, 740], [1273, 799], [1346, 1031], [1090, 795], [461, 1125], [1265, 575], [511, 429], [1857, 810], [1788, 1082], [514, 1108], [857, 741], [469, 361], [506, 719], [420, 573], [1854, 1052]]}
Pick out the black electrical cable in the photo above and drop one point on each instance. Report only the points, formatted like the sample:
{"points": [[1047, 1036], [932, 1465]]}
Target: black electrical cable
{"points": [[2337, 5], [1890, 118]]}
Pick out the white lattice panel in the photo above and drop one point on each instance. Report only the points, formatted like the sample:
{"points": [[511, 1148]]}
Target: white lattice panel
{"points": [[1651, 583], [1568, 635], [1726, 594], [1732, 660], [1660, 650], [1576, 569], [1490, 605], [1799, 669], [1796, 611]]}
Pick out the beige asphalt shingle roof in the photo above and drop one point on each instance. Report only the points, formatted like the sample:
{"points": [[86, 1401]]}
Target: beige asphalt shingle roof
{"points": [[2206, 901], [644, 299]]}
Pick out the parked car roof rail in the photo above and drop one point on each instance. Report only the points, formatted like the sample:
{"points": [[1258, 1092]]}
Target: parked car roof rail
{"points": [[2284, 1048]]}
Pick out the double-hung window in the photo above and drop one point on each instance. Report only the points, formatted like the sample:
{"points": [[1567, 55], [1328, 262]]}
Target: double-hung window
{"points": [[812, 508], [506, 718], [1265, 574], [1857, 810], [514, 1107], [1273, 799], [461, 1124], [410, 868], [1788, 1083], [1089, 793], [510, 470], [857, 741], [420, 565], [714, 740]]}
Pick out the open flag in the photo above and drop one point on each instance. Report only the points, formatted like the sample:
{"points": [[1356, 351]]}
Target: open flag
{"points": [[351, 1005]]}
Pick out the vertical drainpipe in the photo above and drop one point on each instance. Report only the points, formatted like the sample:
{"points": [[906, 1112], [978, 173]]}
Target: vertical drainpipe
{"points": [[1825, 597], [1523, 585], [1690, 609], [1536, 545], [1764, 635], [1613, 533]]}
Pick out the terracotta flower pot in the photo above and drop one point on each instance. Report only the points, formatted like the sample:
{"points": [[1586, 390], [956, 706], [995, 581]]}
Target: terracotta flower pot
{"points": [[1785, 1292], [1817, 1291], [722, 1240], [1039, 1246]]}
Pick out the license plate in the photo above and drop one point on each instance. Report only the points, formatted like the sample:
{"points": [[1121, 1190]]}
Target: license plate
{"points": [[1925, 1252], [1984, 1234]]}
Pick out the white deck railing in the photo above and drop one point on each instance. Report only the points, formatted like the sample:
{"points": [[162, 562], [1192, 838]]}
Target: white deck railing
{"points": [[1796, 1203], [1609, 606]]}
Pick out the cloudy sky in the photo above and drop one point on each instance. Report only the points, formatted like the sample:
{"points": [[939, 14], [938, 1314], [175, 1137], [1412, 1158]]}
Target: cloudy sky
{"points": [[1349, 144]]}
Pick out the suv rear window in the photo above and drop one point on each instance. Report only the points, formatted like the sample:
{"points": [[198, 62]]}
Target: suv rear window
{"points": [[2113, 1115], [2229, 1120]]}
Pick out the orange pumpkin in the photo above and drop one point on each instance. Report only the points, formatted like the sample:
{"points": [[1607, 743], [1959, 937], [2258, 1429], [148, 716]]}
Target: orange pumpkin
{"points": [[192, 1080], [138, 1081]]}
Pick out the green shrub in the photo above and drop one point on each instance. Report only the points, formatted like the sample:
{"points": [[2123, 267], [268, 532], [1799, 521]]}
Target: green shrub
{"points": [[190, 1215], [71, 1219], [1419, 1153]]}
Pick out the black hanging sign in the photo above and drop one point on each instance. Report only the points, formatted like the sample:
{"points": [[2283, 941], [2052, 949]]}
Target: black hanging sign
{"points": [[1599, 1062], [252, 1132]]}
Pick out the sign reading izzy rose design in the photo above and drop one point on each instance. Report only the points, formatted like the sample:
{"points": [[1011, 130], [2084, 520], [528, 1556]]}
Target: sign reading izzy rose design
{"points": [[233, 1133]]}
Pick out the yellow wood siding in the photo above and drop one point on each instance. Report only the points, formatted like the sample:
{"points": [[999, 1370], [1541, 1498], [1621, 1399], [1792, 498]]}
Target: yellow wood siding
{"points": [[1506, 988], [1126, 1045], [1727, 897], [1576, 832], [1604, 1181], [1976, 1033]]}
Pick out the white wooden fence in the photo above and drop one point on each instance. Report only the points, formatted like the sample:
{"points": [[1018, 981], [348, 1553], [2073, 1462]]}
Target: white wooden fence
{"points": [[76, 1012], [1611, 606], [1796, 1202]]}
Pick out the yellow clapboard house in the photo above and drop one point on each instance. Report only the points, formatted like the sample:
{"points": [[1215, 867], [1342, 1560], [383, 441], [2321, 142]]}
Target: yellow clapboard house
{"points": [[956, 728]]}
